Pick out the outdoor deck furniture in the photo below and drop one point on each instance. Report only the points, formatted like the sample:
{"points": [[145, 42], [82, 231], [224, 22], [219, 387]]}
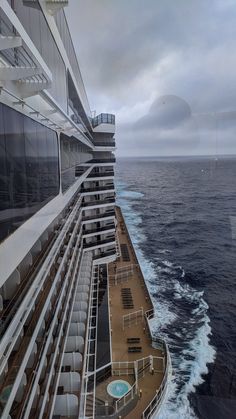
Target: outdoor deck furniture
{"points": [[133, 340], [125, 252], [134, 349]]}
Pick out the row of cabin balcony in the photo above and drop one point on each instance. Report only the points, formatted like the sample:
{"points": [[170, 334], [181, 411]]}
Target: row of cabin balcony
{"points": [[32, 318], [68, 392], [69, 380]]}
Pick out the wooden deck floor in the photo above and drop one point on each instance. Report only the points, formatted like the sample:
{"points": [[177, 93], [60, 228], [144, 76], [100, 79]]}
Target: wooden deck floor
{"points": [[150, 383]]}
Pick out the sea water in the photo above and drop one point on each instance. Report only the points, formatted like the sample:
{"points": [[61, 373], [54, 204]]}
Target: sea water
{"points": [[181, 215]]}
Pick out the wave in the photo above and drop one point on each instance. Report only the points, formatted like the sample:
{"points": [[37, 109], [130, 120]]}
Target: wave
{"points": [[181, 316]]}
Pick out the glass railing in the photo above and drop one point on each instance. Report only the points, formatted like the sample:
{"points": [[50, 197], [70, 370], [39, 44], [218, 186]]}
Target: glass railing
{"points": [[108, 160], [102, 174], [103, 118]]}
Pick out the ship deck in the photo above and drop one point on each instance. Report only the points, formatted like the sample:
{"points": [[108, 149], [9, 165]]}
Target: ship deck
{"points": [[125, 274]]}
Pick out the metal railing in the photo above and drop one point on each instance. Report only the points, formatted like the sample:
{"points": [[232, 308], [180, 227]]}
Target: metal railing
{"points": [[98, 202], [127, 398], [99, 216], [123, 367], [89, 379], [108, 160], [101, 174], [155, 403], [98, 230], [109, 240], [98, 189], [122, 274], [132, 318]]}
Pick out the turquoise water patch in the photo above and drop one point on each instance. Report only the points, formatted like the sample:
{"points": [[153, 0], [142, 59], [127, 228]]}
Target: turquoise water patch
{"points": [[118, 388]]}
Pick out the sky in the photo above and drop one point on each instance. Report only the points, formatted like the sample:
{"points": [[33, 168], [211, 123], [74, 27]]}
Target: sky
{"points": [[165, 68]]}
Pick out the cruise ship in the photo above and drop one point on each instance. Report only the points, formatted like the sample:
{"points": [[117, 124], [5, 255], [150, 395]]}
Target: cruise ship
{"points": [[75, 334]]}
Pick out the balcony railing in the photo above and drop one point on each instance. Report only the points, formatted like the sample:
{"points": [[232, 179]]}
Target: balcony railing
{"points": [[99, 216], [104, 174], [105, 144], [98, 202], [103, 118], [112, 160], [99, 242], [98, 189], [111, 252], [99, 229]]}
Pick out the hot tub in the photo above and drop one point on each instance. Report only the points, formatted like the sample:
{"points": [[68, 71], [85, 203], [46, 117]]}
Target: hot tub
{"points": [[118, 388]]}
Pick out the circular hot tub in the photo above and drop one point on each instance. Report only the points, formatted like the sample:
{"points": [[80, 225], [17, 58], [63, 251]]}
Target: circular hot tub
{"points": [[118, 388]]}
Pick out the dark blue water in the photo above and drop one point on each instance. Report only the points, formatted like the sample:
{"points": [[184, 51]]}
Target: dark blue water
{"points": [[181, 214]]}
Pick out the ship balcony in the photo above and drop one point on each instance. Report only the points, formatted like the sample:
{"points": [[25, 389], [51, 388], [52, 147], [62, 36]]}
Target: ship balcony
{"points": [[105, 122], [100, 162], [108, 174], [108, 228], [105, 145], [99, 203], [91, 191], [53, 6], [20, 60], [107, 215], [109, 255], [110, 143], [93, 244]]}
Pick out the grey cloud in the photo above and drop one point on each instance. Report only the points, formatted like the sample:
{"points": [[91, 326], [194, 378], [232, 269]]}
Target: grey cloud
{"points": [[133, 52], [175, 130], [166, 112]]}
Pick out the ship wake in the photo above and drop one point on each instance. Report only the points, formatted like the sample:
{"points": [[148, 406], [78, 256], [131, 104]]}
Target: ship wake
{"points": [[182, 313]]}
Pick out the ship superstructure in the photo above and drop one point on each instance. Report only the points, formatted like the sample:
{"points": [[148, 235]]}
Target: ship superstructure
{"points": [[61, 251]]}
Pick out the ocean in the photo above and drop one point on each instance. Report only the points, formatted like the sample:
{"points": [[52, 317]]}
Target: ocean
{"points": [[181, 214]]}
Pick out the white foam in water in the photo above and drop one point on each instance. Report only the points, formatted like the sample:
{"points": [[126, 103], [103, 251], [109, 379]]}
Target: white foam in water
{"points": [[192, 361]]}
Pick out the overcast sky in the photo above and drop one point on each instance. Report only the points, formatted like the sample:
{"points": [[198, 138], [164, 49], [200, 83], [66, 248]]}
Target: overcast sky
{"points": [[166, 68]]}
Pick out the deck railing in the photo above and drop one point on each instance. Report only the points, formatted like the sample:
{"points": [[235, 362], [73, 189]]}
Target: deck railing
{"points": [[123, 368], [137, 369], [155, 403], [89, 377], [122, 274], [132, 318], [125, 230], [127, 398]]}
